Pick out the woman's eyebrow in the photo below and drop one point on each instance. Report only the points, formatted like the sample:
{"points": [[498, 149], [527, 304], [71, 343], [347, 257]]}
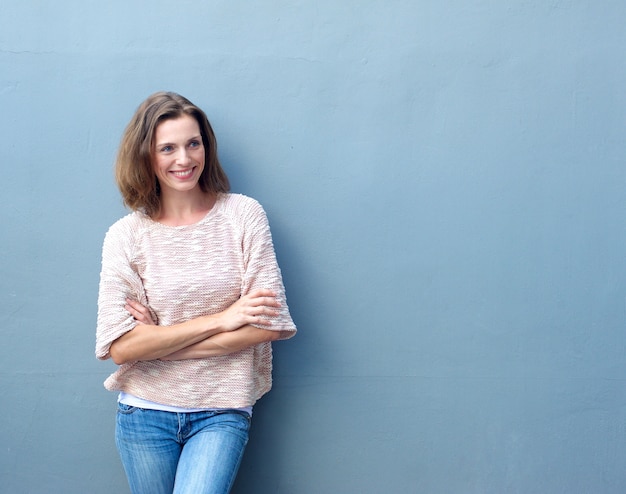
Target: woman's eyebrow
{"points": [[159, 144]]}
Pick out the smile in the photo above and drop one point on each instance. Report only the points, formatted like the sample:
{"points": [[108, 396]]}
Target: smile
{"points": [[183, 173]]}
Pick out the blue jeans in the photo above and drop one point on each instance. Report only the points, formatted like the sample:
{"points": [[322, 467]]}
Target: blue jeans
{"points": [[180, 453]]}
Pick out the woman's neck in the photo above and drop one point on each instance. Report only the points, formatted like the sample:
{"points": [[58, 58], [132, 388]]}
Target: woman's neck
{"points": [[186, 209]]}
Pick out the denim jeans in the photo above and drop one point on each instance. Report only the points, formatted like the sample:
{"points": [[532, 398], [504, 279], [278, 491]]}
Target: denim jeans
{"points": [[180, 453]]}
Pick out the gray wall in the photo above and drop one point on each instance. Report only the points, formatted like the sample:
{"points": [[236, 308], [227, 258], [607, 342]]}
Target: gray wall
{"points": [[446, 186]]}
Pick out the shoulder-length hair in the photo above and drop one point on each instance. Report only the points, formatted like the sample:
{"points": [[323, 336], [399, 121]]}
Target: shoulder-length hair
{"points": [[134, 174]]}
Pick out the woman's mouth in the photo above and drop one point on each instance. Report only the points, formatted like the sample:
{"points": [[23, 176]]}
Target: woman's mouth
{"points": [[182, 174]]}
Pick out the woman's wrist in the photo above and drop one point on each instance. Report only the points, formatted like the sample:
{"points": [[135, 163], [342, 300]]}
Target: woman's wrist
{"points": [[213, 325]]}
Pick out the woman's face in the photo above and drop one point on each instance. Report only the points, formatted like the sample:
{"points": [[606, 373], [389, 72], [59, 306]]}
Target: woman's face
{"points": [[178, 155]]}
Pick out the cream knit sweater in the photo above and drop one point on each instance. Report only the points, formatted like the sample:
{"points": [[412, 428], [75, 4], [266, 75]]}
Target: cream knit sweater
{"points": [[181, 273]]}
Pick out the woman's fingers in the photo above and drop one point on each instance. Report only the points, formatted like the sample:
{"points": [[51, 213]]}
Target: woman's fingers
{"points": [[261, 297], [139, 312], [256, 307], [262, 305]]}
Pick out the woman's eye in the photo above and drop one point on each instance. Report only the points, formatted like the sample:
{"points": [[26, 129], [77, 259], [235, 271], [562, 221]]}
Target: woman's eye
{"points": [[194, 144], [166, 149]]}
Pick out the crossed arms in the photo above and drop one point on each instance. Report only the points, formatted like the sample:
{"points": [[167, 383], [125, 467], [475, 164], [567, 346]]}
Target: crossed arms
{"points": [[206, 336]]}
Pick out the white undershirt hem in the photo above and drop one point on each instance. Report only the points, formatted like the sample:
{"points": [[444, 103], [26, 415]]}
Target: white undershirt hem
{"points": [[134, 401]]}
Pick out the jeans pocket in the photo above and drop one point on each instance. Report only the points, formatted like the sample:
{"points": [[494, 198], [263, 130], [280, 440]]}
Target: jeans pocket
{"points": [[125, 409]]}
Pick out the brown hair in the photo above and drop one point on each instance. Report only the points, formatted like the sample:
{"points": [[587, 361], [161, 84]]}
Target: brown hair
{"points": [[134, 174]]}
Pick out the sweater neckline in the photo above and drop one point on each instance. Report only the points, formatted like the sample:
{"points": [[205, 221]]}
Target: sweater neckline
{"points": [[218, 201]]}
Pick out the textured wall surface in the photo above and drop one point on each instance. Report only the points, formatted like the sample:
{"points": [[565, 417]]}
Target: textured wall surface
{"points": [[446, 185]]}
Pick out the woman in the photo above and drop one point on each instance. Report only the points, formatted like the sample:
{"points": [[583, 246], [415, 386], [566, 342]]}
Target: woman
{"points": [[190, 298]]}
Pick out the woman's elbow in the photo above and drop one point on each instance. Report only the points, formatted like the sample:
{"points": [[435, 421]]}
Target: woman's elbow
{"points": [[117, 354], [278, 335]]}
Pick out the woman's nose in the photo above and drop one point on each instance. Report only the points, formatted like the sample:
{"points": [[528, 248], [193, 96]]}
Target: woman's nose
{"points": [[183, 156]]}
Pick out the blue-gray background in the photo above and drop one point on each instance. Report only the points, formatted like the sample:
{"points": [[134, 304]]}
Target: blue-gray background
{"points": [[445, 182]]}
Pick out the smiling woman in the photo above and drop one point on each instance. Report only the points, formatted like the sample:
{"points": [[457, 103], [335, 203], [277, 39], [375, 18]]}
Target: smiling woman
{"points": [[191, 297], [134, 170]]}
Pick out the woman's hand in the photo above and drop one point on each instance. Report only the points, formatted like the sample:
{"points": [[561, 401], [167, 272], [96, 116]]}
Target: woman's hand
{"points": [[139, 312], [253, 308]]}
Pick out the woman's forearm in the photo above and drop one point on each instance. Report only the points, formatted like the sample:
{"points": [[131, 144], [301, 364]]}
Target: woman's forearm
{"points": [[150, 342], [225, 343]]}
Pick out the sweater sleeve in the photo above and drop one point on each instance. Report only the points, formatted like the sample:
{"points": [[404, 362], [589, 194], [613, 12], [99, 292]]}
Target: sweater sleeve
{"points": [[261, 269], [118, 281]]}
